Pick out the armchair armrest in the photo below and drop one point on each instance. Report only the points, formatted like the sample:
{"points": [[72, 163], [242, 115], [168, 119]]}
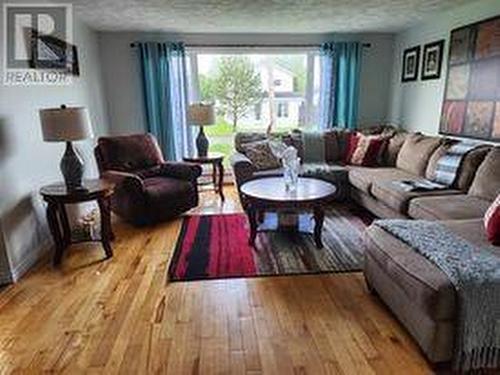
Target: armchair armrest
{"points": [[128, 180], [181, 170]]}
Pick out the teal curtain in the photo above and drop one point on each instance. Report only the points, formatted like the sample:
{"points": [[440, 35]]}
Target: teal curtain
{"points": [[164, 86], [339, 86]]}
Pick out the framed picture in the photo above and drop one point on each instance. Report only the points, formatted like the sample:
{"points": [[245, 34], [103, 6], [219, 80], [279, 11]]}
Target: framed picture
{"points": [[48, 52], [432, 59], [411, 60], [471, 105]]}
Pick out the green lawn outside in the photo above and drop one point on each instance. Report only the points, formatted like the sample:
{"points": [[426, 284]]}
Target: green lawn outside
{"points": [[223, 128], [224, 148]]}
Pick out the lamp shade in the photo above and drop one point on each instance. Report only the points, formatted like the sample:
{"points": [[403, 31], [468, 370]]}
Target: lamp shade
{"points": [[200, 114], [65, 124]]}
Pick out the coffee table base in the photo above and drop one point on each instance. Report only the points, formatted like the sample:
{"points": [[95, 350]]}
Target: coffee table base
{"points": [[270, 221]]}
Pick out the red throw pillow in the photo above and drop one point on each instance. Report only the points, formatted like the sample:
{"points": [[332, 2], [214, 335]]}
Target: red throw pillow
{"points": [[352, 140], [368, 150], [492, 222]]}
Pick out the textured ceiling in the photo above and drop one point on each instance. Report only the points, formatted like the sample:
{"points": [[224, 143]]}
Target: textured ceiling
{"points": [[258, 16]]}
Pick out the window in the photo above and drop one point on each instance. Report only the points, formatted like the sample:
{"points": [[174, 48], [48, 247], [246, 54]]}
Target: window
{"points": [[258, 110], [281, 90], [282, 109]]}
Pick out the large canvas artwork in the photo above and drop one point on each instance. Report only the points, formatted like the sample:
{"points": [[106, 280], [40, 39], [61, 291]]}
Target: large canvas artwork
{"points": [[471, 106]]}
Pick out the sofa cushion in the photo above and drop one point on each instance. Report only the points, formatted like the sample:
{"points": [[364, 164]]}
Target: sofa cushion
{"points": [[332, 150], [363, 177], [430, 170], [415, 153], [423, 282], [240, 139], [486, 183], [261, 154], [492, 222], [277, 172], [368, 150], [164, 192], [470, 164], [397, 198], [392, 149], [456, 207], [129, 152]]}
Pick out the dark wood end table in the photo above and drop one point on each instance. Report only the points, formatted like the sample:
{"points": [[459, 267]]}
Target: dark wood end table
{"points": [[57, 196], [216, 159], [270, 194]]}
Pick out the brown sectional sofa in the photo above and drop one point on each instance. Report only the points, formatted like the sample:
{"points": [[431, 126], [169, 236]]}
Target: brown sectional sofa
{"points": [[408, 157], [418, 293]]}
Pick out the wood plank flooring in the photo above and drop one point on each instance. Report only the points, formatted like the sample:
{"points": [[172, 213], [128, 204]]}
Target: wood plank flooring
{"points": [[120, 316]]}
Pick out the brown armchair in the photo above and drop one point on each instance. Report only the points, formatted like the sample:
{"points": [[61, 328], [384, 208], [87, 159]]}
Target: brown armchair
{"points": [[148, 189]]}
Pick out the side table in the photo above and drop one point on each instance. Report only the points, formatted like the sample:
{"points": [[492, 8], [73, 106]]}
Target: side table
{"points": [[216, 159], [57, 196]]}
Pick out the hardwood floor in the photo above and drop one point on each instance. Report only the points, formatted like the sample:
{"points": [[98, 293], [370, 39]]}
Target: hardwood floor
{"points": [[120, 316]]}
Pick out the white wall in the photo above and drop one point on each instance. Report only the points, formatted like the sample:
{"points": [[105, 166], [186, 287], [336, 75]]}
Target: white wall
{"points": [[27, 163], [123, 86], [417, 105]]}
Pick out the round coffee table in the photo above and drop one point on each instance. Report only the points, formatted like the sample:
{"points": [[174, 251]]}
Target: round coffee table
{"points": [[271, 194]]}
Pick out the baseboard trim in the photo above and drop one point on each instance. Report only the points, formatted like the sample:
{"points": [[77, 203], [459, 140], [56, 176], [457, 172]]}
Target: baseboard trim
{"points": [[30, 260], [5, 278]]}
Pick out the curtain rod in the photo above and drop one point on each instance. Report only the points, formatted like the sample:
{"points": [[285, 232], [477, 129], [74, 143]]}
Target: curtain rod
{"points": [[364, 45]]}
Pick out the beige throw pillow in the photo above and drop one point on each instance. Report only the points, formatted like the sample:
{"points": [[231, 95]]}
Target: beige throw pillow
{"points": [[486, 184], [416, 152]]}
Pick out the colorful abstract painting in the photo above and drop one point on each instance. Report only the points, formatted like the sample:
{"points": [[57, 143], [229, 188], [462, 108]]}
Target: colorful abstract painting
{"points": [[453, 117], [479, 119], [471, 105], [496, 124]]}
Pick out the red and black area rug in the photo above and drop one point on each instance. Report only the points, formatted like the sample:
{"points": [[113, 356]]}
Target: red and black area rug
{"points": [[216, 247]]}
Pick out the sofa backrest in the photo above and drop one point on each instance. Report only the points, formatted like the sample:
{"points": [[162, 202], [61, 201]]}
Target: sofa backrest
{"points": [[470, 165], [393, 147], [247, 137], [416, 152], [128, 153], [486, 183]]}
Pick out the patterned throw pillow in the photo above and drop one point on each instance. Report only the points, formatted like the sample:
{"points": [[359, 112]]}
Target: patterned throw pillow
{"points": [[365, 150], [350, 143], [492, 222], [261, 155]]}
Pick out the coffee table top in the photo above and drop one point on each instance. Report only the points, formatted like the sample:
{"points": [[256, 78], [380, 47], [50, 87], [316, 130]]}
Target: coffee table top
{"points": [[273, 189]]}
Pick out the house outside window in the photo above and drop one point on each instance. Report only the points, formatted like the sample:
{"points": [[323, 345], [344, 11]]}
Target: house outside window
{"points": [[282, 109], [287, 96]]}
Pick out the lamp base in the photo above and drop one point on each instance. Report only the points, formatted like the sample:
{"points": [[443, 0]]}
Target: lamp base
{"points": [[202, 144], [72, 169]]}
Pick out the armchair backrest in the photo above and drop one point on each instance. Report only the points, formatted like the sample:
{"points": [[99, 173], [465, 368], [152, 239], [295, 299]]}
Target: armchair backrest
{"points": [[127, 153]]}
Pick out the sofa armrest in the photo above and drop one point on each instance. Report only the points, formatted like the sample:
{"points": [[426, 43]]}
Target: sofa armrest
{"points": [[181, 170], [243, 168]]}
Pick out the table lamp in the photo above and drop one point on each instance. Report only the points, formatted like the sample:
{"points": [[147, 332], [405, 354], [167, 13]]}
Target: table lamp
{"points": [[200, 114], [67, 124]]}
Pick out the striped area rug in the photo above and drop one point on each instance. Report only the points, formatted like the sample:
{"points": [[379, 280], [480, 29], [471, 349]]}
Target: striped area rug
{"points": [[216, 246]]}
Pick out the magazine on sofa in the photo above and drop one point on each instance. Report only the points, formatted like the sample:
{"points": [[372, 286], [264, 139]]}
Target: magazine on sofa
{"points": [[419, 185]]}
